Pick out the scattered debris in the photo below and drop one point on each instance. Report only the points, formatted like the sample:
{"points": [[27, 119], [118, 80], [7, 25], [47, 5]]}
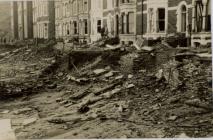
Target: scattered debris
{"points": [[80, 94], [4, 111], [29, 121], [172, 118], [150, 87], [130, 86], [109, 87], [23, 110], [109, 74], [119, 77], [182, 135], [198, 103], [130, 76]]}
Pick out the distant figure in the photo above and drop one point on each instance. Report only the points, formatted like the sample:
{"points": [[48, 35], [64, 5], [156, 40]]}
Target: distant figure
{"points": [[106, 32], [102, 32]]}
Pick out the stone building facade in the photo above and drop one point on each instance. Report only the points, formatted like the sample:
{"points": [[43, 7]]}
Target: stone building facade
{"points": [[120, 17], [72, 19], [22, 20], [201, 22], [164, 17], [127, 19], [96, 19], [14, 19], [43, 19]]}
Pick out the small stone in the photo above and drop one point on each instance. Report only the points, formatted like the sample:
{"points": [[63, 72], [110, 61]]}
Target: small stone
{"points": [[52, 86], [142, 71], [130, 76], [60, 74], [130, 86], [58, 100], [99, 71], [157, 90], [107, 68], [124, 137], [182, 135], [119, 77], [172, 118], [109, 74], [68, 105]]}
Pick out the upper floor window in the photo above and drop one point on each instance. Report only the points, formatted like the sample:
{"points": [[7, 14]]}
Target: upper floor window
{"points": [[161, 20], [131, 23], [117, 3], [99, 26], [85, 5], [105, 4], [183, 18], [85, 26]]}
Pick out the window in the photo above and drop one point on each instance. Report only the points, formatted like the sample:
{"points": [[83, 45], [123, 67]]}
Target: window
{"points": [[75, 7], [183, 19], [99, 26], [80, 6], [75, 27], [130, 23], [85, 5], [117, 24], [123, 23], [161, 19], [105, 4], [85, 26], [208, 28], [45, 9], [68, 29], [126, 1], [45, 30], [117, 3]]}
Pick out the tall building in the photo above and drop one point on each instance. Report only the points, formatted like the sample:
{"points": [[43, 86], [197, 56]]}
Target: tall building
{"points": [[25, 28], [73, 19], [96, 19], [188, 17], [128, 19], [44, 19], [201, 22], [14, 19], [120, 17], [21, 20]]}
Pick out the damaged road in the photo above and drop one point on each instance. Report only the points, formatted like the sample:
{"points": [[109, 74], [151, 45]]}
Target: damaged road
{"points": [[111, 93]]}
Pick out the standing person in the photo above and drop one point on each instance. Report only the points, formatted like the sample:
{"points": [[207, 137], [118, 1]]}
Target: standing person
{"points": [[5, 40], [106, 32], [102, 32]]}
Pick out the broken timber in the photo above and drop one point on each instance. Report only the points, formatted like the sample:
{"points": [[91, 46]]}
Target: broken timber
{"points": [[98, 92]]}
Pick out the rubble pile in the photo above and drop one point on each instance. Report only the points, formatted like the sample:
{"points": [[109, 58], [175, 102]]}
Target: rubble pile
{"points": [[22, 70], [178, 98], [153, 57], [112, 92]]}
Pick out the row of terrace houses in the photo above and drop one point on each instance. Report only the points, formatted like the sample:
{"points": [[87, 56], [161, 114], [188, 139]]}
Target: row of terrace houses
{"points": [[129, 20]]}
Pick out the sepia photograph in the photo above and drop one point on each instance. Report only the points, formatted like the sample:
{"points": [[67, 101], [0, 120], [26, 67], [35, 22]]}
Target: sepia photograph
{"points": [[105, 69]]}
